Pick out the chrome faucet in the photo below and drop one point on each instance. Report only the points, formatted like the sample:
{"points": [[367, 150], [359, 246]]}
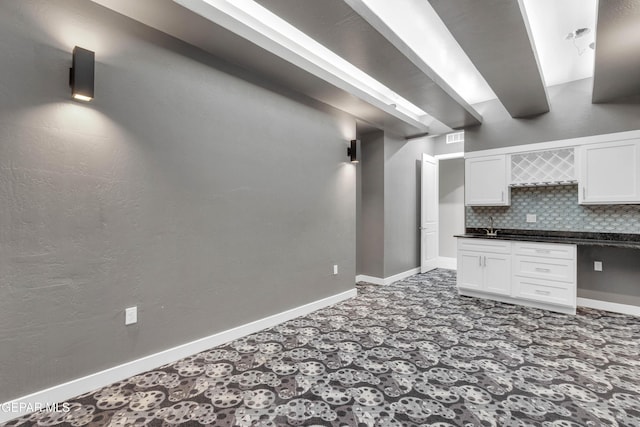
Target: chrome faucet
{"points": [[490, 231]]}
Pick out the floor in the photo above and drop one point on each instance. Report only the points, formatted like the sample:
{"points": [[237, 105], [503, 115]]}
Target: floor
{"points": [[412, 353]]}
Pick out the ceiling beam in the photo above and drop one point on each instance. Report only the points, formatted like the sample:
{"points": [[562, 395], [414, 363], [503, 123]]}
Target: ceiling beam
{"points": [[495, 36], [617, 64], [257, 64], [362, 39]]}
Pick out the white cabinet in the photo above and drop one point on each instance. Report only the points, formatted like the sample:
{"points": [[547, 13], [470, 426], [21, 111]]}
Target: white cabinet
{"points": [[484, 265], [534, 274], [545, 273], [486, 181], [610, 173]]}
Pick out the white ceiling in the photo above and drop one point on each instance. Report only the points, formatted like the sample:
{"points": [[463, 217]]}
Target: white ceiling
{"points": [[562, 60]]}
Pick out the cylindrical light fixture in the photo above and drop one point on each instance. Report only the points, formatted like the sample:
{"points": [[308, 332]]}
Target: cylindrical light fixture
{"points": [[81, 74], [352, 151]]}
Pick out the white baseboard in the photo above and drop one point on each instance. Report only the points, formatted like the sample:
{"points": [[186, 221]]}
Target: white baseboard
{"points": [[615, 307], [387, 280], [448, 263], [100, 379], [441, 262]]}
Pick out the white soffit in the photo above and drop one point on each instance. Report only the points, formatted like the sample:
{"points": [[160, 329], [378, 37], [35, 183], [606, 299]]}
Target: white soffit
{"points": [[419, 26], [563, 59], [257, 24]]}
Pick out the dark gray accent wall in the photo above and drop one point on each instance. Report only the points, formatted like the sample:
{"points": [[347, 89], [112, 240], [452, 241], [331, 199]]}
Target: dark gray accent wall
{"points": [[389, 216], [370, 246], [402, 203], [204, 199], [452, 212], [572, 115], [619, 279]]}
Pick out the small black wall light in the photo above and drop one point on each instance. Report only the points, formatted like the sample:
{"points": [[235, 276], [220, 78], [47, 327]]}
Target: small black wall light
{"points": [[81, 74], [352, 151]]}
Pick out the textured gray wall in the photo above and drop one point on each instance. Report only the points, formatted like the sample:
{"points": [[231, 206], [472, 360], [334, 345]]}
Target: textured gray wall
{"points": [[441, 147], [370, 247], [451, 205], [389, 241], [204, 199], [572, 115], [617, 282], [402, 203]]}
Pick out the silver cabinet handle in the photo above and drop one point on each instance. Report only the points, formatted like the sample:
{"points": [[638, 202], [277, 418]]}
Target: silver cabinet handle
{"points": [[543, 270], [485, 260], [543, 251], [480, 261], [538, 291], [584, 193], [502, 196]]}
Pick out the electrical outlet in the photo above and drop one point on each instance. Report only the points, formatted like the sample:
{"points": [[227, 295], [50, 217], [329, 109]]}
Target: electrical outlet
{"points": [[335, 269], [130, 315], [597, 265], [532, 218]]}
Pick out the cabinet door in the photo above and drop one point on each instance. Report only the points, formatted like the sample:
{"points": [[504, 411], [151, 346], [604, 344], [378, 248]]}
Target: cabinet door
{"points": [[485, 181], [610, 173], [470, 270], [497, 274]]}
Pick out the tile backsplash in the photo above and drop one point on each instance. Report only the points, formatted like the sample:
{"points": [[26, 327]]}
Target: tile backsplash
{"points": [[557, 209]]}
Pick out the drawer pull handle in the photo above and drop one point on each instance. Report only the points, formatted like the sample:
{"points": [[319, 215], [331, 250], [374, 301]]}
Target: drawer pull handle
{"points": [[543, 270], [538, 291], [543, 251]]}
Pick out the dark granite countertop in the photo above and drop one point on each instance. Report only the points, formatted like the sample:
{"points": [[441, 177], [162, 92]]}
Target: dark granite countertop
{"points": [[573, 237]]}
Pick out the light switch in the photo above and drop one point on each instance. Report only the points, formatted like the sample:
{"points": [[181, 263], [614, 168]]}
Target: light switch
{"points": [[532, 218], [597, 265]]}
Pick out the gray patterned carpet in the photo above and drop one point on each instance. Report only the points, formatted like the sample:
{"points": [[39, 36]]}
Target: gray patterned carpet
{"points": [[410, 354]]}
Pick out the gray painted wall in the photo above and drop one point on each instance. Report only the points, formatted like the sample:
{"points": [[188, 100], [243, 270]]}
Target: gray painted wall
{"points": [[441, 147], [389, 217], [370, 246], [572, 115], [452, 212], [617, 282], [204, 199], [402, 203]]}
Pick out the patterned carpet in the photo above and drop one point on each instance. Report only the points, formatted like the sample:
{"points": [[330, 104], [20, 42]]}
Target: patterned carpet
{"points": [[409, 354]]}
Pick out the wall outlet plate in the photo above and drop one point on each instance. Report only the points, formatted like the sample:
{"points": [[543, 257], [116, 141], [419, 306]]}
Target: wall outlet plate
{"points": [[335, 269], [532, 218], [597, 265], [130, 315]]}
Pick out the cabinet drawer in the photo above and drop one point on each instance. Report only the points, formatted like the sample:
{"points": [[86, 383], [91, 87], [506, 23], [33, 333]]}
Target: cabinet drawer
{"points": [[545, 291], [545, 268], [484, 245], [552, 250]]}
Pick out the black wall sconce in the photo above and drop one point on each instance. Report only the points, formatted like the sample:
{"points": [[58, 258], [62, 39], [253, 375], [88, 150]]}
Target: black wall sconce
{"points": [[352, 151], [81, 74]]}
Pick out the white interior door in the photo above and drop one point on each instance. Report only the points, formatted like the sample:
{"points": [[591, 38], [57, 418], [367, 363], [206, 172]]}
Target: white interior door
{"points": [[429, 214]]}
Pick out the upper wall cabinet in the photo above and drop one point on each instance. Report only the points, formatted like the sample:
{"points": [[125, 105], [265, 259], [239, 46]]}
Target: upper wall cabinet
{"points": [[610, 173], [486, 181]]}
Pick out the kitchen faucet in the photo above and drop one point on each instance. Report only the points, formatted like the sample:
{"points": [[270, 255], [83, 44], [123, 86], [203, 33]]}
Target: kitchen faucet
{"points": [[490, 231]]}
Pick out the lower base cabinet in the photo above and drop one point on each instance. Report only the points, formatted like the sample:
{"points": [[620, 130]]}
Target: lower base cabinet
{"points": [[534, 274]]}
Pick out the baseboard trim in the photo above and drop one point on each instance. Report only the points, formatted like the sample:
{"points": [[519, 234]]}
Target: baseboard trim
{"points": [[100, 379], [387, 280], [448, 263], [615, 307]]}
